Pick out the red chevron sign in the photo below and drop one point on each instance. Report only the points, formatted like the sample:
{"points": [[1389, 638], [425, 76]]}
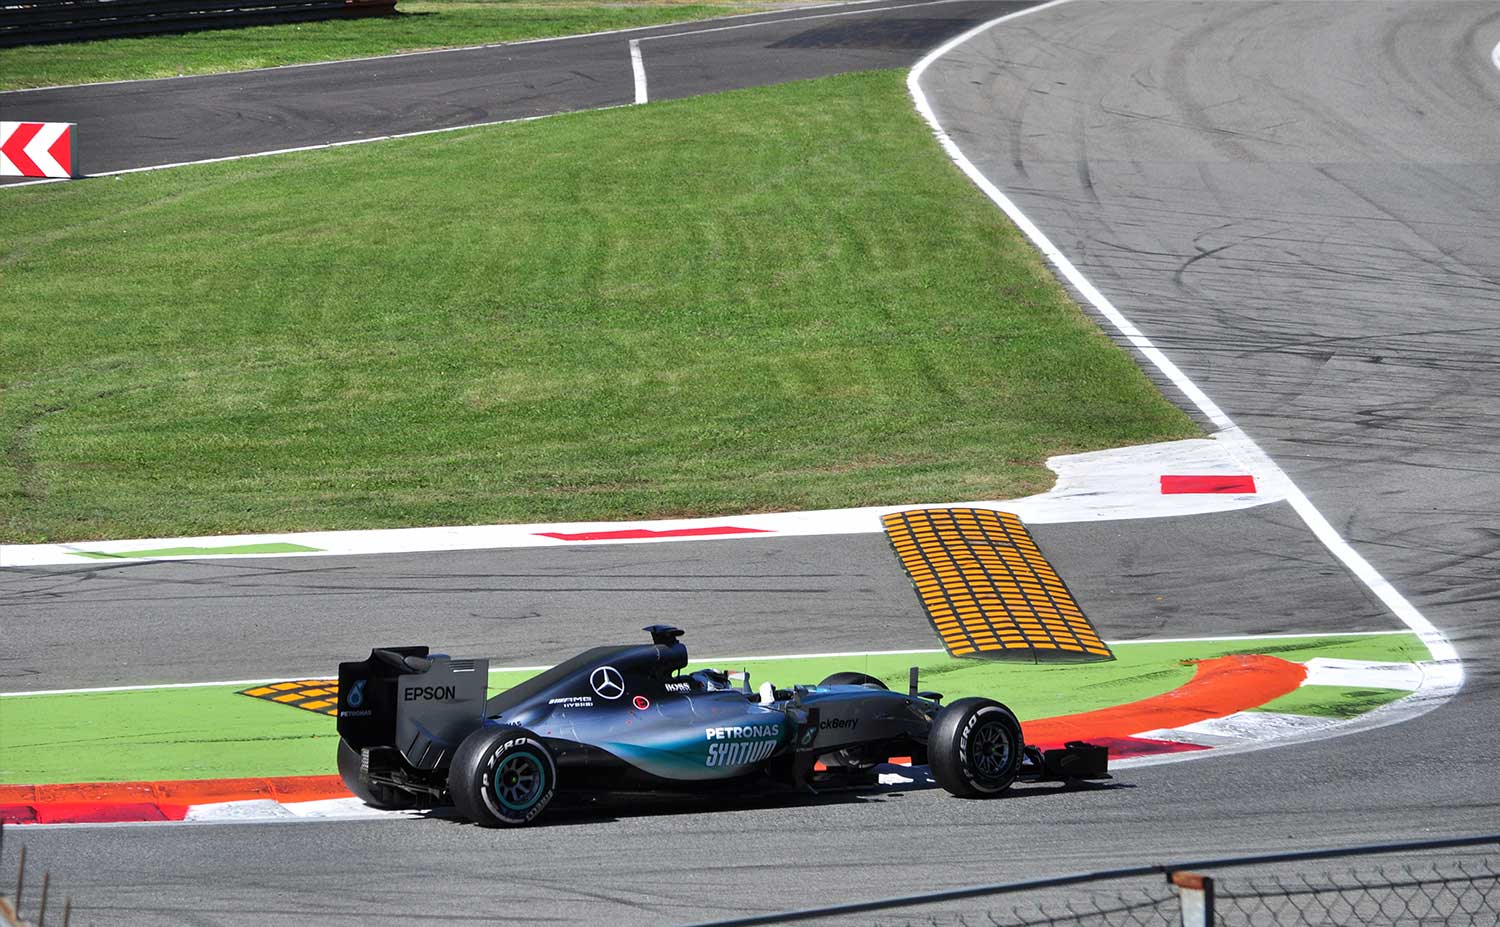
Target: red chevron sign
{"points": [[37, 149]]}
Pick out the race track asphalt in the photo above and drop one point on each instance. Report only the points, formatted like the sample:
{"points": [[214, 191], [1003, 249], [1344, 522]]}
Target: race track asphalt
{"points": [[197, 621], [144, 123], [1300, 203]]}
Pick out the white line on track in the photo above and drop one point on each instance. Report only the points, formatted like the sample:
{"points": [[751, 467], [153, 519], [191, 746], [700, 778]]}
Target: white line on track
{"points": [[796, 19], [1495, 56], [430, 51], [638, 68], [281, 151], [1445, 676], [709, 660]]}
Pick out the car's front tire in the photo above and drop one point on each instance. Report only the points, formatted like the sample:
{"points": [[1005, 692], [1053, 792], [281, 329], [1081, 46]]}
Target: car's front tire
{"points": [[975, 748], [371, 793], [502, 777]]}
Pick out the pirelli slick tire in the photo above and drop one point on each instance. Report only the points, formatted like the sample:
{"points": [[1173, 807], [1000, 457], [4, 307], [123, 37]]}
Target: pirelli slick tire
{"points": [[502, 777], [975, 748], [371, 793], [853, 679]]}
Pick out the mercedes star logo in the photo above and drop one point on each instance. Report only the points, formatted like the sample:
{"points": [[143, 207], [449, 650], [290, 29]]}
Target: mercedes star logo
{"points": [[608, 682]]}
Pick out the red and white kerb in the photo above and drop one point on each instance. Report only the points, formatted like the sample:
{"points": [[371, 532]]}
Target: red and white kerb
{"points": [[38, 149]]}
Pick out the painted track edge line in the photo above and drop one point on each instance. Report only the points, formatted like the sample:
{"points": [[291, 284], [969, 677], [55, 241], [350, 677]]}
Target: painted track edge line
{"points": [[1447, 676], [638, 71], [345, 143], [433, 51], [795, 19]]}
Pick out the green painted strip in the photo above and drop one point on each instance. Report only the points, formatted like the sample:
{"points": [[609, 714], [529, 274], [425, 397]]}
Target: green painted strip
{"points": [[163, 734], [211, 732], [272, 548], [1342, 702]]}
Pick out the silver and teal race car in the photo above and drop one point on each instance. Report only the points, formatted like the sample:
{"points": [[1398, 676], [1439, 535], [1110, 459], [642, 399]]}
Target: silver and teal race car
{"points": [[417, 729]]}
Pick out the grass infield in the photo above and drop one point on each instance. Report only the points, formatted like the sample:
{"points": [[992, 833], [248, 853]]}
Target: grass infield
{"points": [[418, 24], [773, 299], [212, 732]]}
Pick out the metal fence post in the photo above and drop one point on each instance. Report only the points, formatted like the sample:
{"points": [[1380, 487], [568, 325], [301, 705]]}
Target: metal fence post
{"points": [[1195, 893]]}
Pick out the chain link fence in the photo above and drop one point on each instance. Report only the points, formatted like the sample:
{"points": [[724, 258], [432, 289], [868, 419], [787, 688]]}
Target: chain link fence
{"points": [[1443, 883], [1447, 892], [1152, 906]]}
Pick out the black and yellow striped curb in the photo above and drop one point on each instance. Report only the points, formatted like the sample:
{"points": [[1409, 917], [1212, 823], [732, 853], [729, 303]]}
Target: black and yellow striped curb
{"points": [[320, 695], [988, 589]]}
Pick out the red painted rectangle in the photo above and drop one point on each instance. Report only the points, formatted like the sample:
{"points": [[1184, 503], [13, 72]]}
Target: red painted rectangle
{"points": [[104, 812], [636, 534], [1214, 483]]}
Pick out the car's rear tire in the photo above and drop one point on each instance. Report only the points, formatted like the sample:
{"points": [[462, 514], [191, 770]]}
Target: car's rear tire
{"points": [[853, 679], [371, 793], [975, 748], [502, 777]]}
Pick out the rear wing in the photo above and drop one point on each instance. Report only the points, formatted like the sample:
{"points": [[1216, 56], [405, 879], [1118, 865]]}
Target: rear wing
{"points": [[422, 705]]}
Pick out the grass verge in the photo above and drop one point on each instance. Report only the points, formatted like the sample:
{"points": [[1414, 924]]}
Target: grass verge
{"points": [[782, 298], [419, 24], [212, 732]]}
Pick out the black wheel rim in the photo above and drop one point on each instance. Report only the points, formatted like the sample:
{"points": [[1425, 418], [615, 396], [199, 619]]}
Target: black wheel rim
{"points": [[519, 781], [991, 750]]}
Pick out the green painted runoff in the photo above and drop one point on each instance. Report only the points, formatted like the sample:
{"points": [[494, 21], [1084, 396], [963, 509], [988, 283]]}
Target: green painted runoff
{"points": [[272, 548]]}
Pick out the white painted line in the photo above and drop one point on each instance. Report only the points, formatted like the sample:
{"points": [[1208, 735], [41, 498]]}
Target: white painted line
{"points": [[640, 83], [269, 809], [229, 812], [33, 183], [431, 51], [638, 67], [841, 654], [281, 151], [1241, 727], [1446, 675], [343, 809], [98, 690], [794, 19], [1495, 56], [493, 670], [1362, 674], [294, 820], [1321, 635], [701, 661]]}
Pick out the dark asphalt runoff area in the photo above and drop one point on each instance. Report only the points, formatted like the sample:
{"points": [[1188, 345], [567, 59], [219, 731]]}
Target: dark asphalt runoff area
{"points": [[1300, 203], [143, 123]]}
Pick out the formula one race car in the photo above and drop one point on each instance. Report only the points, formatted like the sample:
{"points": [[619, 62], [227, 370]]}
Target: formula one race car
{"points": [[416, 730]]}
